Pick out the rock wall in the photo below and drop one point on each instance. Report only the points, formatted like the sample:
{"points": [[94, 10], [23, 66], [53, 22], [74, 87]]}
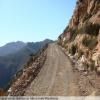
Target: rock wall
{"points": [[86, 10], [82, 35]]}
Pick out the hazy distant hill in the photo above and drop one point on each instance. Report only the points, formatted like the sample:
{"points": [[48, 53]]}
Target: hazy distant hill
{"points": [[11, 48], [12, 63]]}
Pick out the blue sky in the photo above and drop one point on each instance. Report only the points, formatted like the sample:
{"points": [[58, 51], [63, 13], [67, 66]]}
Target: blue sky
{"points": [[33, 20]]}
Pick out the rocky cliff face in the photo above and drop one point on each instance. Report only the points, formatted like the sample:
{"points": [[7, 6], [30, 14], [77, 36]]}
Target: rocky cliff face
{"points": [[86, 10], [82, 35]]}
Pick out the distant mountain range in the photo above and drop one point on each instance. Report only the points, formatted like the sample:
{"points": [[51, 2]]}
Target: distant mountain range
{"points": [[13, 57], [12, 47]]}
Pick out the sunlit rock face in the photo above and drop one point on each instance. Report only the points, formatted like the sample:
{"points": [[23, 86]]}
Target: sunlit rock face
{"points": [[85, 9], [83, 30]]}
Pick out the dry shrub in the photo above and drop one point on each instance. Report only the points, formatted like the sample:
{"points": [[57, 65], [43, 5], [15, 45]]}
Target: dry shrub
{"points": [[73, 49], [90, 42], [89, 28]]}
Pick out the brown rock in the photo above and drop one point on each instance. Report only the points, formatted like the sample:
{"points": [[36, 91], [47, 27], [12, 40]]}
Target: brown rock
{"points": [[98, 70]]}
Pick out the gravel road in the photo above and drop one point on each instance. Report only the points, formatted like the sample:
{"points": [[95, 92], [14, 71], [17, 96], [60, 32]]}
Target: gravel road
{"points": [[56, 77]]}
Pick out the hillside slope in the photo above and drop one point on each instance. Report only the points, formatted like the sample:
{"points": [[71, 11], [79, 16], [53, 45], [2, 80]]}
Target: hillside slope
{"points": [[81, 42], [14, 62], [81, 37]]}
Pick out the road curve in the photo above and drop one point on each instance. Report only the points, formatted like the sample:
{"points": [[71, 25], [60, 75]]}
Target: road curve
{"points": [[56, 77]]}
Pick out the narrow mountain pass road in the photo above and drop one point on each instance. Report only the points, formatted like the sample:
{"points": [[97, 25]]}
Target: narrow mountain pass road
{"points": [[56, 77]]}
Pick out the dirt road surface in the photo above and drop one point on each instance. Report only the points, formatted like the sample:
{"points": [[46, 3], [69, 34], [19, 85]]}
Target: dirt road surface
{"points": [[56, 77]]}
